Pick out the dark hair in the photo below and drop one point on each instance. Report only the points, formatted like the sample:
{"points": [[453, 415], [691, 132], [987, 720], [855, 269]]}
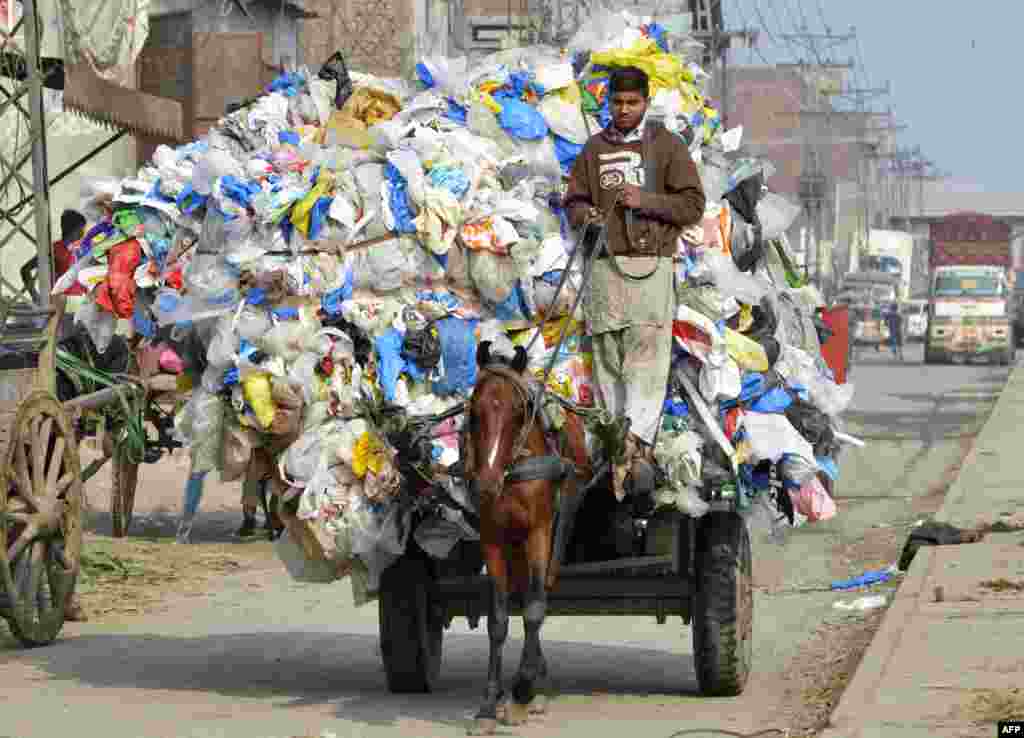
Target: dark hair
{"points": [[629, 79], [71, 222]]}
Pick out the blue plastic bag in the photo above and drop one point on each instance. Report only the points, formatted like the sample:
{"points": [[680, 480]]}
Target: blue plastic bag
{"points": [[458, 352], [828, 465], [318, 216], [457, 113], [521, 120], [452, 179], [864, 580], [239, 191], [567, 152], [390, 363], [398, 200], [775, 400], [288, 137], [659, 34], [189, 200], [424, 74], [513, 307], [331, 301], [141, 322]]}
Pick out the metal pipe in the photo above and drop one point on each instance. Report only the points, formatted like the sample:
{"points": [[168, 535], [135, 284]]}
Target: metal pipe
{"points": [[40, 180]]}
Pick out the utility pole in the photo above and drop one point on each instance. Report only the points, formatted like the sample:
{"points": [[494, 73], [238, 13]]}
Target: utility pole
{"points": [[708, 22]]}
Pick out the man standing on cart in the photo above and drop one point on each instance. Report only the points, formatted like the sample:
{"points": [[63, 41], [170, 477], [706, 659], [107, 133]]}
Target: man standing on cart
{"points": [[638, 181]]}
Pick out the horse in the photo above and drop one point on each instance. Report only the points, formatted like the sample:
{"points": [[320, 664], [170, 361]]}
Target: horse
{"points": [[518, 485]]}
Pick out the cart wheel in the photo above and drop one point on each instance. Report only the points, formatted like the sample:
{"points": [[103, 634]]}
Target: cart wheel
{"points": [[411, 633], [40, 520], [724, 607], [123, 482]]}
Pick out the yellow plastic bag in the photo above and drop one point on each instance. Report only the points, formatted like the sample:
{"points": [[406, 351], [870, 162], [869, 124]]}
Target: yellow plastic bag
{"points": [[665, 71], [368, 106], [257, 392], [368, 455], [748, 354], [303, 209]]}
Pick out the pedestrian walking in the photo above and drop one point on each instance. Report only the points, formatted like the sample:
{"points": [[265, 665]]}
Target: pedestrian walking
{"points": [[894, 319]]}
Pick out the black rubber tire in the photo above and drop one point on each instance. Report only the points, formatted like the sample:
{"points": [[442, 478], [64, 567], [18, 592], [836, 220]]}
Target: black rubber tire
{"points": [[724, 606], [930, 357], [411, 629]]}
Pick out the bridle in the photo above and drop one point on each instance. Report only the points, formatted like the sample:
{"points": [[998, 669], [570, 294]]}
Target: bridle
{"points": [[522, 467]]}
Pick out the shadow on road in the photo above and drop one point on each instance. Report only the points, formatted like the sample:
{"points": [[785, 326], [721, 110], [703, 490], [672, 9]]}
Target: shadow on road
{"points": [[308, 669]]}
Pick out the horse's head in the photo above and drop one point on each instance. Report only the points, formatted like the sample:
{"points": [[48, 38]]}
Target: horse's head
{"points": [[499, 411]]}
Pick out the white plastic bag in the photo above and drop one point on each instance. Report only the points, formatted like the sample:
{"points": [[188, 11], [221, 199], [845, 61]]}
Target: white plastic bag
{"points": [[730, 280], [771, 435], [776, 214], [564, 119], [99, 324], [720, 382]]}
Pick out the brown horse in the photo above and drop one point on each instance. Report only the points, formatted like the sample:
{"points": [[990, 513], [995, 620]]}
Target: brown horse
{"points": [[519, 485]]}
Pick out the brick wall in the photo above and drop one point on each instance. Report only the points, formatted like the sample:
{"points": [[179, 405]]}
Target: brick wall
{"points": [[373, 36]]}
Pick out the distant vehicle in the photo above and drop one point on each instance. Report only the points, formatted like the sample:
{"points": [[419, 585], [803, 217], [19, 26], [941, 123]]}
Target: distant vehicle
{"points": [[865, 293], [916, 315], [970, 302]]}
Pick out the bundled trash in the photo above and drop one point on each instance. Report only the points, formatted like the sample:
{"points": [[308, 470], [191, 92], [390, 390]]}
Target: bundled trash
{"points": [[327, 258]]}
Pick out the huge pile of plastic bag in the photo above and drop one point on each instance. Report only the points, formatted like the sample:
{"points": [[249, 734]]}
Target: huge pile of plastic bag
{"points": [[343, 243]]}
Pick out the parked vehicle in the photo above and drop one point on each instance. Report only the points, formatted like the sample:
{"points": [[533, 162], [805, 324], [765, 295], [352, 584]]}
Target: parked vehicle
{"points": [[970, 301]]}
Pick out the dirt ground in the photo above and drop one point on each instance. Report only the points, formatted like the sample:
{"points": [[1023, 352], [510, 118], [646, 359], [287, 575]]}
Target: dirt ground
{"points": [[137, 573]]}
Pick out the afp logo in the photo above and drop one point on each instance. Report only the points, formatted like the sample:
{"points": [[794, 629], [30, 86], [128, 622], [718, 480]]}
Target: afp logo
{"points": [[1010, 728]]}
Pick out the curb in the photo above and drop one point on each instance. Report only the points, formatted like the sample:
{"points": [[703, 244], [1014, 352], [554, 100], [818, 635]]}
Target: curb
{"points": [[847, 719], [862, 690]]}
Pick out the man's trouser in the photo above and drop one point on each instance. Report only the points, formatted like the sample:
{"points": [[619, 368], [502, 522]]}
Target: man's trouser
{"points": [[631, 369]]}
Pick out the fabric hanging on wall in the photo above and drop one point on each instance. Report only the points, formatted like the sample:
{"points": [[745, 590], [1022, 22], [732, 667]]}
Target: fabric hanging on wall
{"points": [[108, 35]]}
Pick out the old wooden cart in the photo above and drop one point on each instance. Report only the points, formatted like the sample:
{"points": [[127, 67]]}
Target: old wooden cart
{"points": [[42, 480], [667, 565]]}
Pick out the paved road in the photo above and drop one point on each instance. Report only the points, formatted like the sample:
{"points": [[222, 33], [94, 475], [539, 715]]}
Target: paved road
{"points": [[268, 658]]}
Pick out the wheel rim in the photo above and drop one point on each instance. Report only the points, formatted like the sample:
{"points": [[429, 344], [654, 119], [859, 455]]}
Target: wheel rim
{"points": [[40, 524]]}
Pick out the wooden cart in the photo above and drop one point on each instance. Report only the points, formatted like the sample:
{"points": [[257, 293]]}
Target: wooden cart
{"points": [[42, 480]]}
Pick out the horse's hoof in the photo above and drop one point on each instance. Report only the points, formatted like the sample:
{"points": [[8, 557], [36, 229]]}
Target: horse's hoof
{"points": [[483, 726], [539, 705], [516, 714]]}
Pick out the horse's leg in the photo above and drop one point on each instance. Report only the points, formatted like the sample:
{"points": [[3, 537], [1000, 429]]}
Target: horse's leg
{"points": [[543, 689], [538, 552], [486, 721]]}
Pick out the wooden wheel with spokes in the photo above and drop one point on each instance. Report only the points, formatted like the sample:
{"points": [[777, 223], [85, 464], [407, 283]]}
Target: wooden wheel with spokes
{"points": [[40, 520]]}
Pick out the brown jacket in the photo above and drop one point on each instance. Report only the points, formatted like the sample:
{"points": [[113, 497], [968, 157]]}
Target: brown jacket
{"points": [[676, 202]]}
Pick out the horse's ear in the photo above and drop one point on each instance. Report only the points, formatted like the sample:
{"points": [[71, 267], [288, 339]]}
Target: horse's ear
{"points": [[483, 354], [520, 361]]}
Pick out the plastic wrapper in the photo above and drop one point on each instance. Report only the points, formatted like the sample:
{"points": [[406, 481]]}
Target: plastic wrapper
{"points": [[748, 354], [772, 436], [98, 323], [796, 471], [776, 215], [200, 425], [730, 280], [813, 502]]}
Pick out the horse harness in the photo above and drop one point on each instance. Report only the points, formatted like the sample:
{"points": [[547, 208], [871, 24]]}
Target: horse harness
{"points": [[524, 468]]}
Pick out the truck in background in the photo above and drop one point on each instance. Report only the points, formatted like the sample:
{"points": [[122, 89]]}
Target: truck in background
{"points": [[891, 252], [971, 295]]}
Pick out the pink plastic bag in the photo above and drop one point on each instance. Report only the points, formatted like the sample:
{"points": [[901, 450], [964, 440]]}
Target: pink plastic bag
{"points": [[170, 362], [813, 502]]}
